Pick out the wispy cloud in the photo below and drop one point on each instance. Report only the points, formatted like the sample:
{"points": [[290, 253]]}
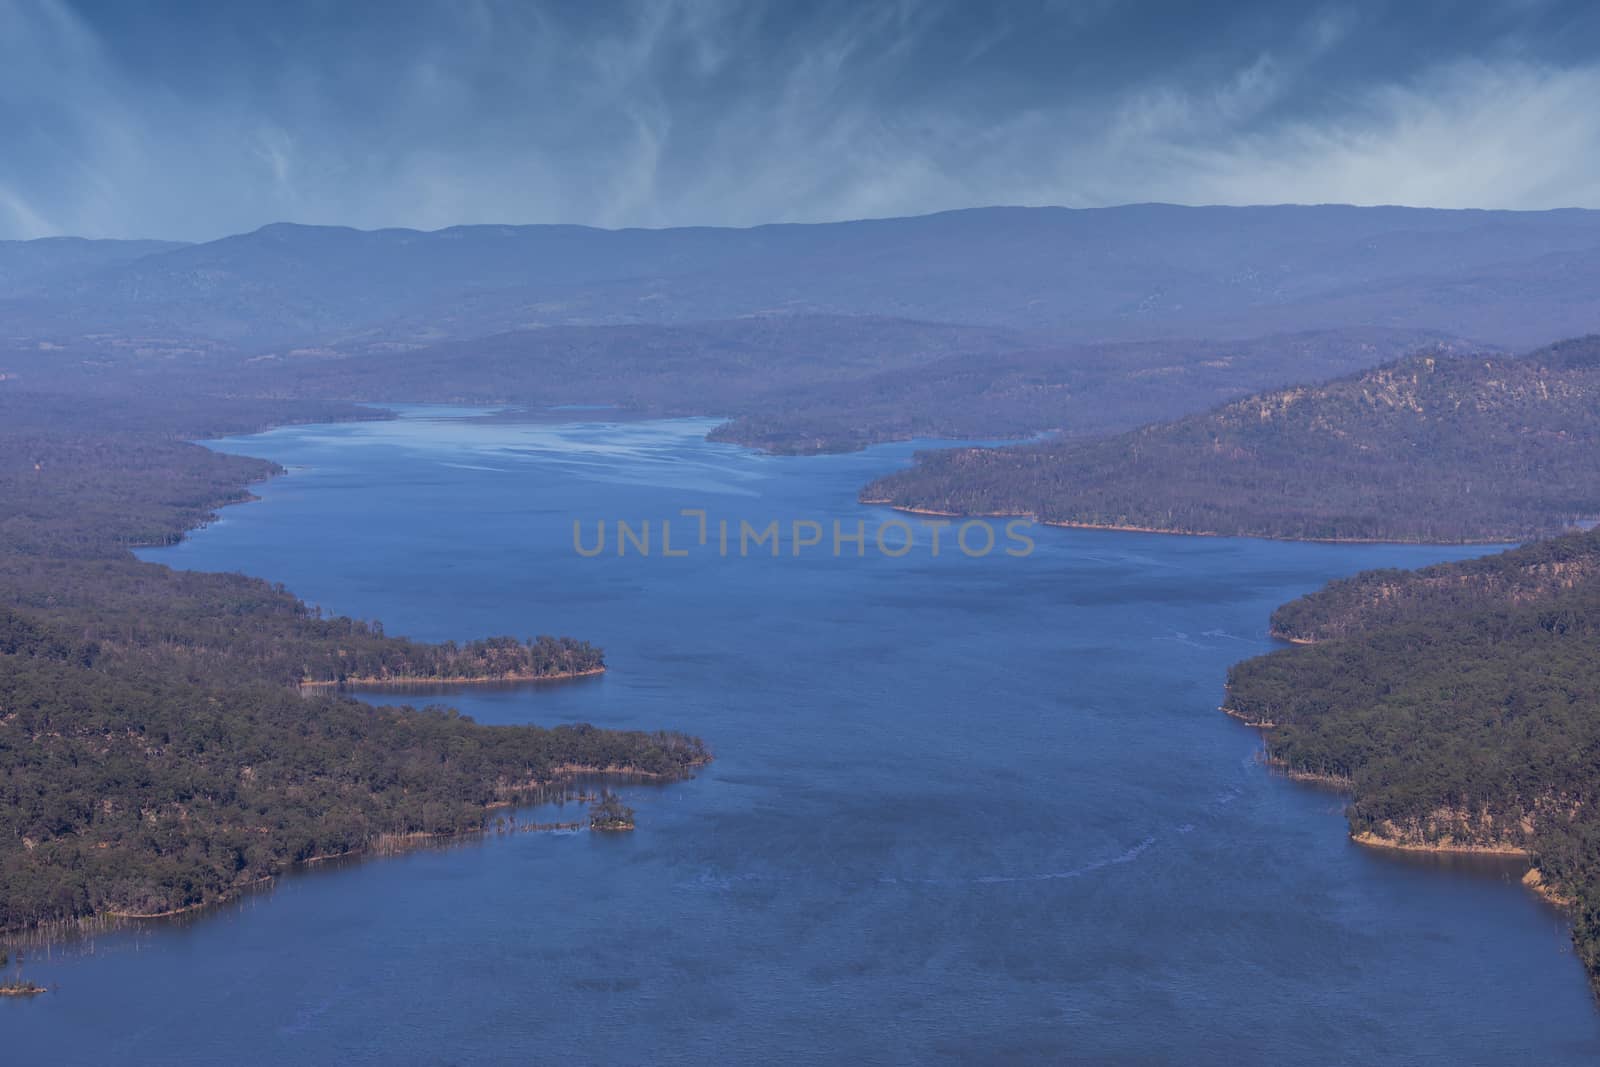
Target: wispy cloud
{"points": [[716, 112]]}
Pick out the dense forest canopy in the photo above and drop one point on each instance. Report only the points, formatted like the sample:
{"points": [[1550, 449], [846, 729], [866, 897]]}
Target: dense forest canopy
{"points": [[157, 748], [1436, 447], [1460, 703], [1371, 599]]}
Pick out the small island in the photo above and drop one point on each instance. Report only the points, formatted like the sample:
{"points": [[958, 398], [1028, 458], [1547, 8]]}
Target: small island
{"points": [[610, 814], [17, 987], [20, 988]]}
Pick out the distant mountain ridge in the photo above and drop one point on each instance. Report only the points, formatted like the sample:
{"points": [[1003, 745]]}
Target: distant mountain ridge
{"points": [[811, 383], [1135, 272], [1440, 447], [28, 265]]}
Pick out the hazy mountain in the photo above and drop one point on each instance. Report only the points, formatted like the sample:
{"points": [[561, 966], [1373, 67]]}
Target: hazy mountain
{"points": [[1435, 447], [804, 383], [28, 265], [1078, 390], [1136, 272], [704, 368]]}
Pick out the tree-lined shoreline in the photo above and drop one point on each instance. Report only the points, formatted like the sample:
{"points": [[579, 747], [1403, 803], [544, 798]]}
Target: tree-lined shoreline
{"points": [[169, 738], [1458, 707]]}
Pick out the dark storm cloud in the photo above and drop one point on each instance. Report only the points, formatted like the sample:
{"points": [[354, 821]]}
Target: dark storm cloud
{"points": [[192, 120]]}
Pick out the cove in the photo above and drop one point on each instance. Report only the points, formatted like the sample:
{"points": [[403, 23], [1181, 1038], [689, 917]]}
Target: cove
{"points": [[965, 809]]}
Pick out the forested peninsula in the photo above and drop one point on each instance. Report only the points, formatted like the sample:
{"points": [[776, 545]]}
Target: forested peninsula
{"points": [[1436, 447], [1459, 704], [164, 740]]}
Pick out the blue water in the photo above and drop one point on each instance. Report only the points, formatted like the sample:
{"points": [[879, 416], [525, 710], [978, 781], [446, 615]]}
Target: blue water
{"points": [[962, 809]]}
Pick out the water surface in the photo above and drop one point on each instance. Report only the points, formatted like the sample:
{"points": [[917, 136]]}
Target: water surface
{"points": [[962, 809]]}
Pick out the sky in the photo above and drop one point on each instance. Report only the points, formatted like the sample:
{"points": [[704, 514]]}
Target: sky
{"points": [[194, 120]]}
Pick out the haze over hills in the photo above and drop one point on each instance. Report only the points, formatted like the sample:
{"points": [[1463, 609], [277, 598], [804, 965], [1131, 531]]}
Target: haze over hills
{"points": [[1436, 447], [996, 322], [1076, 390], [26, 266], [988, 322], [807, 383], [1136, 272]]}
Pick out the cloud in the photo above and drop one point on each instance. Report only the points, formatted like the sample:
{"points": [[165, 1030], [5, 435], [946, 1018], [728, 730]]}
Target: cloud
{"points": [[1467, 134], [667, 112]]}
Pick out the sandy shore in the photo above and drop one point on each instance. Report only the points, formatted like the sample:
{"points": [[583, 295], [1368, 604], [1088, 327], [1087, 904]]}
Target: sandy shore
{"points": [[407, 680], [1372, 840], [1534, 880], [1164, 531], [1259, 724]]}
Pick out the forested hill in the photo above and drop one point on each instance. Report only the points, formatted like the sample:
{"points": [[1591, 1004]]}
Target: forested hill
{"points": [[1525, 575], [1438, 447], [1461, 705], [157, 751]]}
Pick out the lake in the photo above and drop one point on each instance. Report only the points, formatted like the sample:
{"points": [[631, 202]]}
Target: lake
{"points": [[967, 808]]}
